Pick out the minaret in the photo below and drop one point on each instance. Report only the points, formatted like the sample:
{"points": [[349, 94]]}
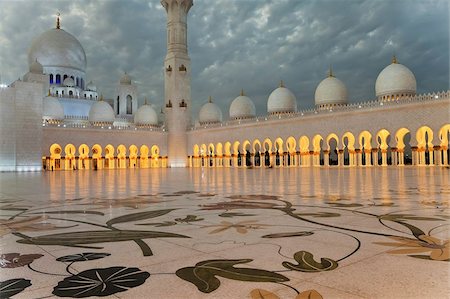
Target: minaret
{"points": [[177, 81]]}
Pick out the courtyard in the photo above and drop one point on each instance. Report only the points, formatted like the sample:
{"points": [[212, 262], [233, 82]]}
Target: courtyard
{"points": [[369, 232]]}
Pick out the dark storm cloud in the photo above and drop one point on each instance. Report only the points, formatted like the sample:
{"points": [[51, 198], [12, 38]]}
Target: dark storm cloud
{"points": [[251, 44]]}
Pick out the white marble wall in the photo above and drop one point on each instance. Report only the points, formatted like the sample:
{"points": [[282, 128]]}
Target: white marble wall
{"points": [[412, 116]]}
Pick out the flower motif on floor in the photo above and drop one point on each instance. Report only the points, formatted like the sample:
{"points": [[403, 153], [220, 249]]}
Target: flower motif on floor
{"points": [[241, 227], [439, 249], [15, 260], [34, 223]]}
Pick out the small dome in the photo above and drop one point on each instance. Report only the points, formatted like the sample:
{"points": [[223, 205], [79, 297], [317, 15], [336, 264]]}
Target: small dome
{"points": [[395, 79], [101, 112], [52, 109], [36, 67], [91, 87], [210, 113], [57, 48], [331, 91], [146, 116], [68, 82], [242, 107], [281, 100], [126, 79]]}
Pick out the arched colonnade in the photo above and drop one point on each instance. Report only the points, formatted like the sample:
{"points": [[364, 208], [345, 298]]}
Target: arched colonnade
{"points": [[422, 147], [96, 157]]}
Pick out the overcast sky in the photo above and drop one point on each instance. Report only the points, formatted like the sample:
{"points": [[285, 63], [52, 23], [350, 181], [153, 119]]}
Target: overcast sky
{"points": [[249, 44]]}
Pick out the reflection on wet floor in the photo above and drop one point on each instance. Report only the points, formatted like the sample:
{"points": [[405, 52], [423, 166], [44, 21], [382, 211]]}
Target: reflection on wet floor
{"points": [[226, 233]]}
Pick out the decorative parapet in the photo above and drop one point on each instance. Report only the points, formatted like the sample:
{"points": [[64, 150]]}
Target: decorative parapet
{"points": [[361, 106]]}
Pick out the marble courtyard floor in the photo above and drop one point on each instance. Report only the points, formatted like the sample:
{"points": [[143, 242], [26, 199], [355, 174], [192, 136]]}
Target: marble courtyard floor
{"points": [[226, 233]]}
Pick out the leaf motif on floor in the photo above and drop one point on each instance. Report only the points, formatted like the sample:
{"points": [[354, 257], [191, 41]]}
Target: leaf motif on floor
{"points": [[81, 257], [306, 263], [11, 287], [100, 282], [203, 274]]}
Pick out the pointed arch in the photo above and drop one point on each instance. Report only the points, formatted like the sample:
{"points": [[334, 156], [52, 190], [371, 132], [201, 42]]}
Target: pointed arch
{"points": [[133, 150], [155, 156], [143, 159], [122, 156], [97, 157], [109, 156], [291, 145], [83, 156], [196, 150]]}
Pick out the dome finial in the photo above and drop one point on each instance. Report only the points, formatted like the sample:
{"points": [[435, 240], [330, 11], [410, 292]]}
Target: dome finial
{"points": [[242, 92], [58, 21], [210, 99], [394, 59], [330, 72], [281, 83]]}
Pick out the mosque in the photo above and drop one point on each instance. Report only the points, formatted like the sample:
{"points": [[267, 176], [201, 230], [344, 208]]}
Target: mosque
{"points": [[52, 119]]}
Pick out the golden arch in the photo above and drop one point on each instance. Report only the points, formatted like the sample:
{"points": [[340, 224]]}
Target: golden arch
{"points": [[144, 151], [211, 149], [267, 145], [236, 147], [55, 157], [246, 146], [203, 150], [382, 136], [83, 151], [228, 148], [304, 144], [256, 142], [332, 136], [155, 156], [122, 156], [400, 138], [83, 157], [55, 151], [443, 135], [278, 144], [133, 150], [69, 150], [291, 145], [350, 141], [155, 151], [109, 156], [365, 140], [420, 137], [109, 151], [219, 149], [143, 160], [316, 143], [96, 151], [196, 150]]}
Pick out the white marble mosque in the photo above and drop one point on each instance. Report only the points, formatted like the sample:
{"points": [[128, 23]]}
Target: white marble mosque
{"points": [[53, 119]]}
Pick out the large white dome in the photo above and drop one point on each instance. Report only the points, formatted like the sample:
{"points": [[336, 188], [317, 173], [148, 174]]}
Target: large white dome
{"points": [[281, 100], [395, 79], [146, 116], [242, 107], [52, 109], [331, 91], [101, 112], [57, 48], [210, 113]]}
